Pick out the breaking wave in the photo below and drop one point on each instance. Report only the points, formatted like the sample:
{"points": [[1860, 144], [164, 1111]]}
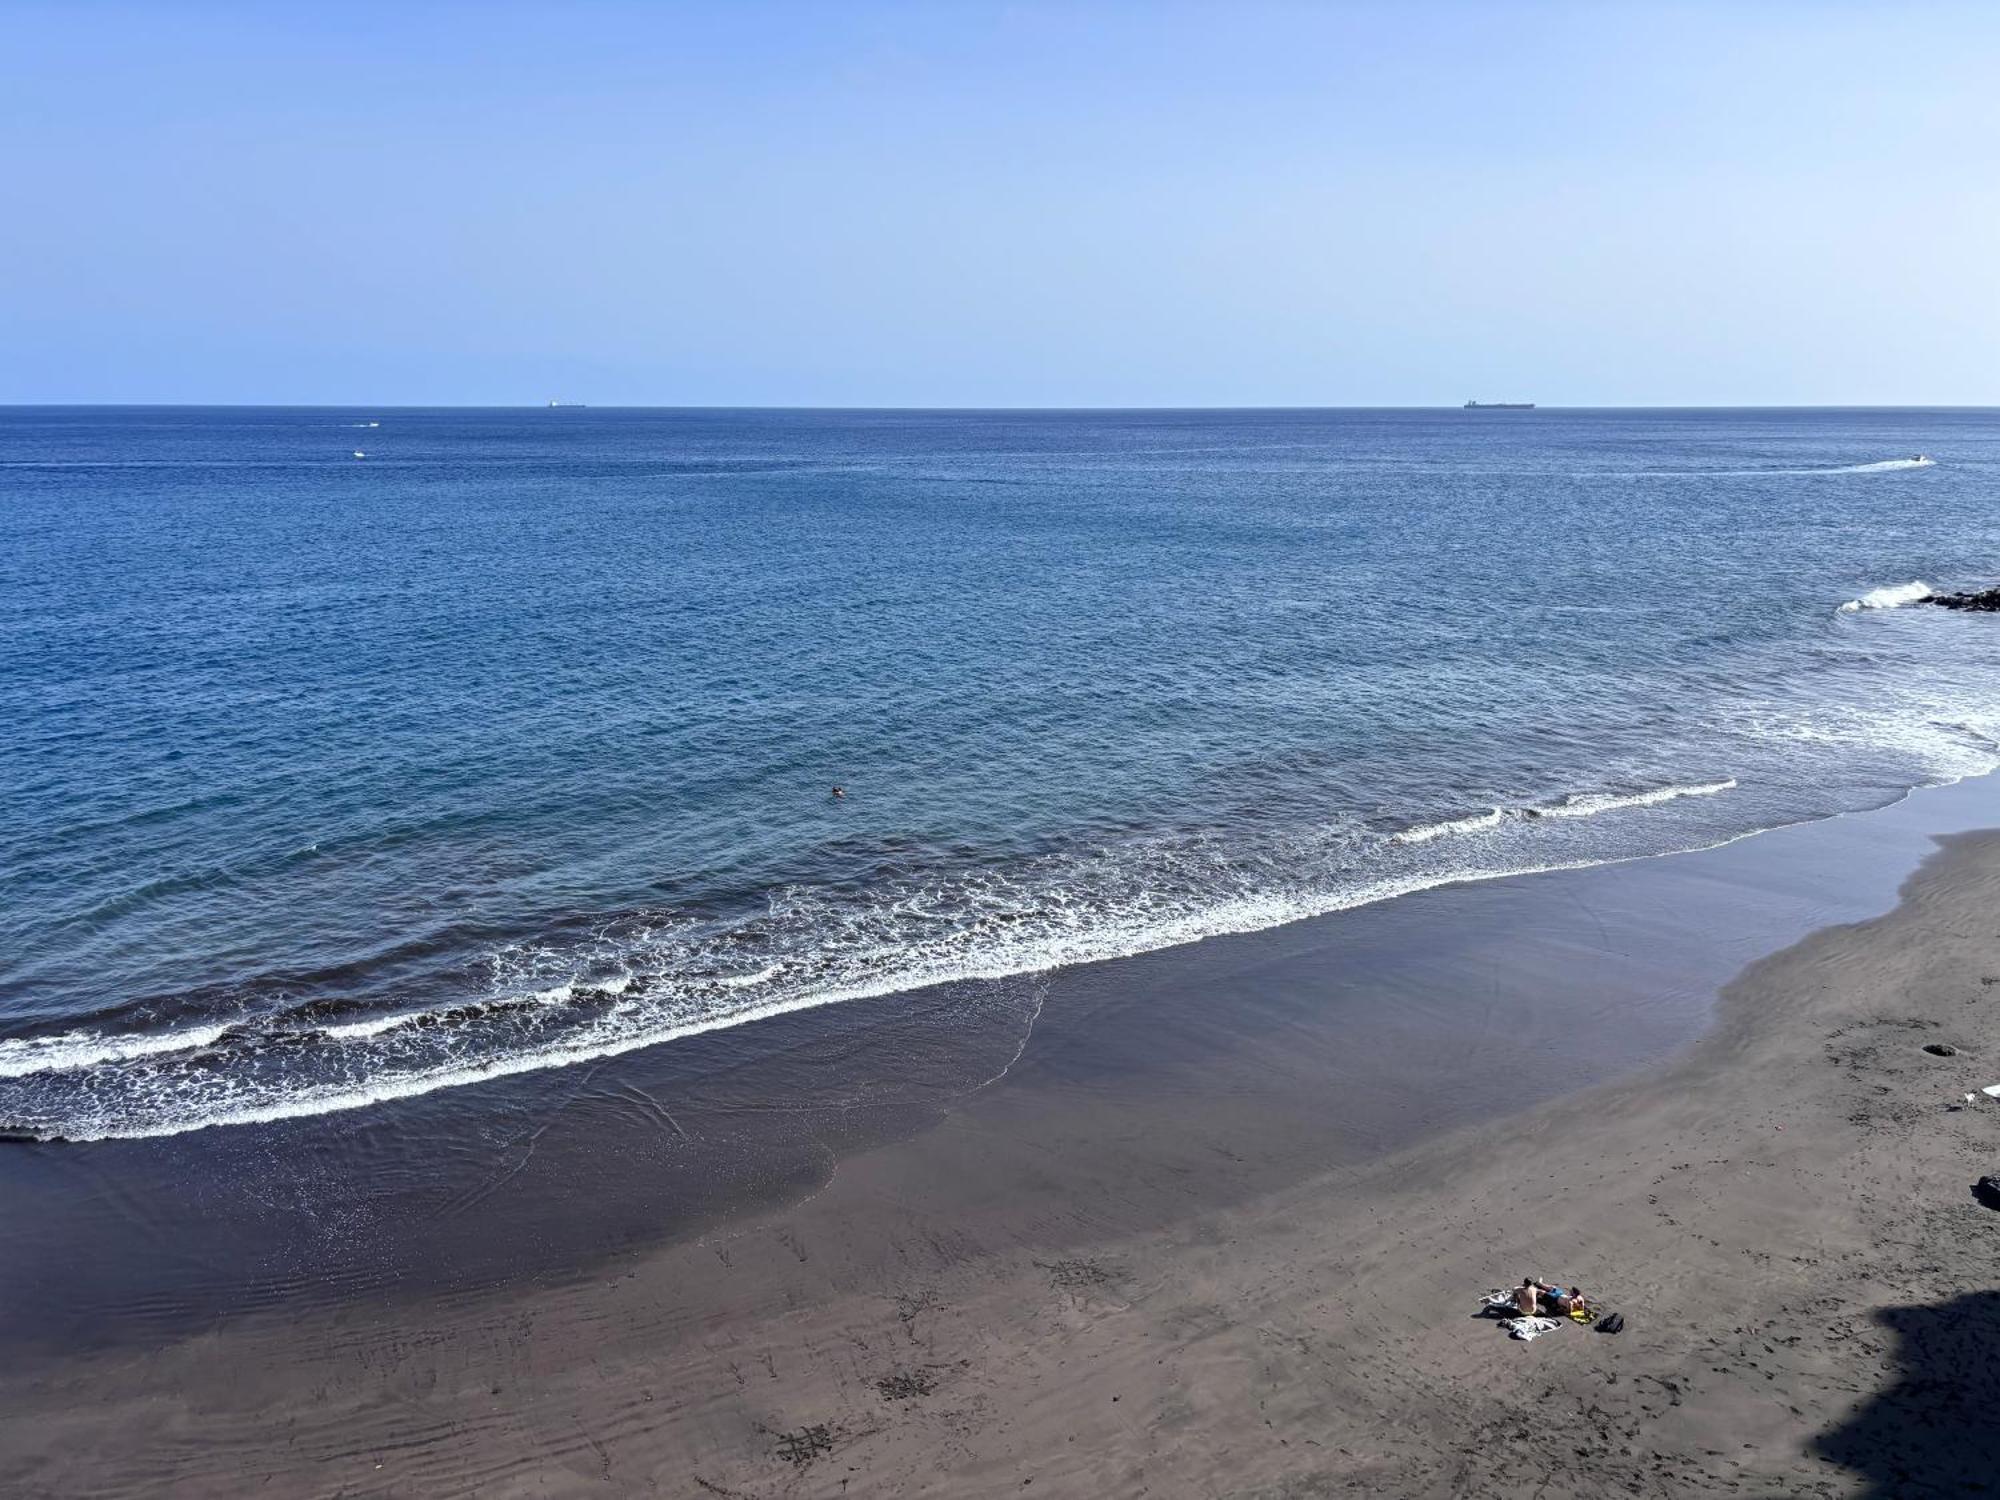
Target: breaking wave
{"points": [[1423, 833], [74, 1050], [1590, 804], [1894, 596], [1581, 805]]}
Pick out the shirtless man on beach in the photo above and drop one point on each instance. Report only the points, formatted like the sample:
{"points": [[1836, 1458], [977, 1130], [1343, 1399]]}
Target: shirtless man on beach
{"points": [[1530, 1294]]}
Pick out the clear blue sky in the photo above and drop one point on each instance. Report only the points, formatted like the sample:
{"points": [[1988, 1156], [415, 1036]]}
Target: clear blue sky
{"points": [[1000, 204]]}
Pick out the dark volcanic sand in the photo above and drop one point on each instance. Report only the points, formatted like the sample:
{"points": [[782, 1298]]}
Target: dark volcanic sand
{"points": [[1246, 1189]]}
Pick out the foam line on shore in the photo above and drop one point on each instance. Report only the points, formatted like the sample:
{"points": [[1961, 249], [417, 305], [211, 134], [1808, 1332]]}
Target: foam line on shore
{"points": [[173, 1083], [1590, 804], [380, 1058], [1580, 805], [23, 1057]]}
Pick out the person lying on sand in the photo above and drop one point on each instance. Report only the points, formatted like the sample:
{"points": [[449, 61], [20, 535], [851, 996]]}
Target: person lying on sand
{"points": [[1533, 1297], [1565, 1302]]}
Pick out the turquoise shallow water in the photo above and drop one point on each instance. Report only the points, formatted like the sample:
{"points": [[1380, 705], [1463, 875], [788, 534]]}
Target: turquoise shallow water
{"points": [[509, 744]]}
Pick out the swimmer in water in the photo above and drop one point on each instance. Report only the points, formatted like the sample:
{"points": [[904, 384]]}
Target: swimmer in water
{"points": [[839, 792]]}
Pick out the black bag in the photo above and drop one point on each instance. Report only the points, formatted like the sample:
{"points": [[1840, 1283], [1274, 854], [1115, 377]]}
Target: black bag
{"points": [[1987, 1191], [1611, 1324]]}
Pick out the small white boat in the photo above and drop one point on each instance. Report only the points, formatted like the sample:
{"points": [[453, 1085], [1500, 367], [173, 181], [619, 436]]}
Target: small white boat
{"points": [[359, 454]]}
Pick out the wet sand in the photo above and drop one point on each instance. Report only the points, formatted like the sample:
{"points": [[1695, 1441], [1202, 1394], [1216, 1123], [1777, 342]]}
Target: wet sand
{"points": [[1215, 1226]]}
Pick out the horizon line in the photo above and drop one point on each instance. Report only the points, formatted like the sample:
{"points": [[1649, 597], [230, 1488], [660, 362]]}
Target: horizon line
{"points": [[1099, 407]]}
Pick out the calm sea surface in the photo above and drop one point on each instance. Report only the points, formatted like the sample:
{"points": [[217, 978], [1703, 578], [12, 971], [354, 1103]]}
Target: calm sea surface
{"points": [[329, 778]]}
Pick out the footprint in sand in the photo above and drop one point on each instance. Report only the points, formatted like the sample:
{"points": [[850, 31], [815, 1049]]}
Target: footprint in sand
{"points": [[1075, 1275]]}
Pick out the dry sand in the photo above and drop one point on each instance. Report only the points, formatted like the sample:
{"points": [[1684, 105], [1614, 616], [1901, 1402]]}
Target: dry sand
{"points": [[1782, 1213]]}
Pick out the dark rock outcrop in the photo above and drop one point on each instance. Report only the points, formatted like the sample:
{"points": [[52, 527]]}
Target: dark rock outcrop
{"points": [[1986, 601]]}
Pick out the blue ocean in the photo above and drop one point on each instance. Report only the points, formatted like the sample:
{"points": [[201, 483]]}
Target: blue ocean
{"points": [[352, 755]]}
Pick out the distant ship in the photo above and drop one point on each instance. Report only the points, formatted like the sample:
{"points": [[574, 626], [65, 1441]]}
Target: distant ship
{"points": [[554, 404], [1499, 406]]}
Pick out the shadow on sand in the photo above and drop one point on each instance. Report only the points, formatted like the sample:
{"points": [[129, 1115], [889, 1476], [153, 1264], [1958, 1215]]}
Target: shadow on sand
{"points": [[1936, 1431]]}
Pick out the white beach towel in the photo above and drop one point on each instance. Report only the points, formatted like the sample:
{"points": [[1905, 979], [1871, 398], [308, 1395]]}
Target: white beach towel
{"points": [[1992, 1091], [1497, 1299], [1529, 1329]]}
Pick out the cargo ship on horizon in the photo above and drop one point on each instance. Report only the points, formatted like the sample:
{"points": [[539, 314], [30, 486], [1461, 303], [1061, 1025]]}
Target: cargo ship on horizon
{"points": [[1499, 406]]}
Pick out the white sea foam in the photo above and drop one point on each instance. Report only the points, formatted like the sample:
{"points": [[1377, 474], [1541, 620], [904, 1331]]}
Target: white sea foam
{"points": [[1590, 804], [554, 995], [1908, 727], [358, 1031], [1887, 464], [72, 1050], [1893, 596], [1880, 466], [1424, 833], [1580, 805]]}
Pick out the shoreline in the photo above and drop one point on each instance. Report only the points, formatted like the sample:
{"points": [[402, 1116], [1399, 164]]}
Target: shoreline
{"points": [[81, 1049], [1320, 1036], [1146, 1193]]}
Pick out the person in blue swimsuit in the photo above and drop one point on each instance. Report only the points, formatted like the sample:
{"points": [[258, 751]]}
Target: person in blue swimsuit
{"points": [[1564, 1300]]}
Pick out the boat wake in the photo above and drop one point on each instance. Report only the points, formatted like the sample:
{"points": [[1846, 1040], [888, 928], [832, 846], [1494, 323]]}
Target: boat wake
{"points": [[1921, 461], [1880, 466]]}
